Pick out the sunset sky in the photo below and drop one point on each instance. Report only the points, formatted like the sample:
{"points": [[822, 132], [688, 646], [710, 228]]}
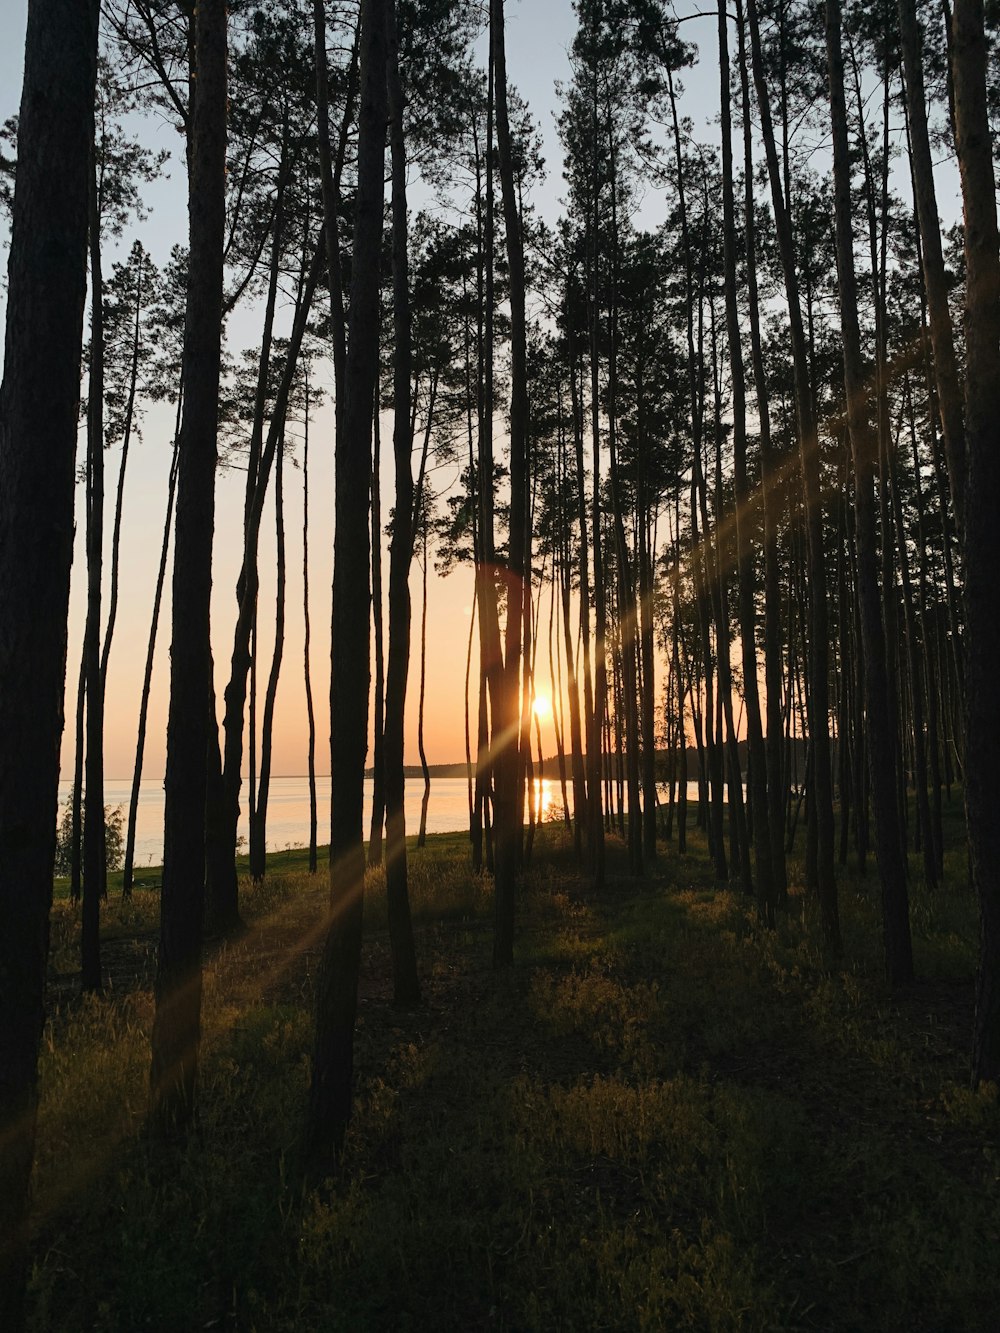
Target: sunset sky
{"points": [[538, 38]]}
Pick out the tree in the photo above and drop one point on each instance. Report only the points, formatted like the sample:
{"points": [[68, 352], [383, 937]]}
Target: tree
{"points": [[506, 704], [168, 335], [114, 838], [406, 985], [283, 192], [982, 498], [808, 437], [771, 487], [746, 580], [120, 167], [330, 1091], [879, 716], [177, 1021], [39, 404], [307, 636], [925, 199]]}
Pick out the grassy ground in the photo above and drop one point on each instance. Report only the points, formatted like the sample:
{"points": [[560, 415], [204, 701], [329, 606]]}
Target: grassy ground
{"points": [[662, 1118]]}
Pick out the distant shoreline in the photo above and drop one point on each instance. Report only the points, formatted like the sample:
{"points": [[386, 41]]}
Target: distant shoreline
{"points": [[549, 768]]}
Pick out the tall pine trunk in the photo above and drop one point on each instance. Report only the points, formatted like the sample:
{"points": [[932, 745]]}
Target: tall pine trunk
{"points": [[509, 795], [258, 839], [223, 900], [39, 404], [772, 487], [406, 985], [330, 1094], [306, 644], [128, 873], [425, 798], [177, 1020], [818, 695], [94, 860], [935, 277], [982, 533], [120, 488], [377, 822], [756, 754], [879, 716]]}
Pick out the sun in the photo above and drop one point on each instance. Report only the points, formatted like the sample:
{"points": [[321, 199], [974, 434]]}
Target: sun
{"points": [[542, 707]]}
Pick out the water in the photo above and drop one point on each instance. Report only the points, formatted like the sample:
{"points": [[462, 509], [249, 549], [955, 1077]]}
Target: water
{"points": [[288, 810]]}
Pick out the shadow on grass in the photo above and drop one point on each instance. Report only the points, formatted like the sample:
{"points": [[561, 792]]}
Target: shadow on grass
{"points": [[664, 1117]]}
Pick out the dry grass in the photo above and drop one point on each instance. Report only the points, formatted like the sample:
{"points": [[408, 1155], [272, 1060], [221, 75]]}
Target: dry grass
{"points": [[663, 1118]]}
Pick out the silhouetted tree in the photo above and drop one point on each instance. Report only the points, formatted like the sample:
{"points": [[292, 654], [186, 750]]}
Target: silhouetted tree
{"points": [[330, 1092], [177, 1021], [39, 404]]}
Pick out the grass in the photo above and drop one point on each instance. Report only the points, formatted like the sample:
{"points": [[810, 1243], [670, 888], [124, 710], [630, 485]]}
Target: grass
{"points": [[663, 1118]]}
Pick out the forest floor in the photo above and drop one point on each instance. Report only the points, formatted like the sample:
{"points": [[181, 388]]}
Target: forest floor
{"points": [[663, 1117]]}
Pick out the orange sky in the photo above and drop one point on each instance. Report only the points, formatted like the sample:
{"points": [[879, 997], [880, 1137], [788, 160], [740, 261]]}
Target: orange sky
{"points": [[449, 610]]}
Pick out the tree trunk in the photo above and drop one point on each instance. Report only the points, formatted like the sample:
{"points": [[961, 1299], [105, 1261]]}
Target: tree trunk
{"points": [[76, 794], [697, 555], [330, 174], [258, 859], [591, 788], [330, 1092], [39, 405], [223, 899], [819, 688], [935, 278], [746, 582], [772, 487], [378, 718], [406, 984], [120, 489], [94, 860], [147, 678], [931, 672], [646, 561], [310, 712], [623, 563], [469, 768], [917, 665], [982, 534], [556, 695], [506, 748], [425, 799], [675, 671], [177, 1020], [879, 715]]}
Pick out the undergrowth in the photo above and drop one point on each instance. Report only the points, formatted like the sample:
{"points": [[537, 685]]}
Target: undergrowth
{"points": [[664, 1117]]}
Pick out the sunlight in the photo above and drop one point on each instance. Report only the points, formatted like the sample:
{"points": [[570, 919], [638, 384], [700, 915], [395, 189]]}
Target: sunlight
{"points": [[542, 707], [544, 804]]}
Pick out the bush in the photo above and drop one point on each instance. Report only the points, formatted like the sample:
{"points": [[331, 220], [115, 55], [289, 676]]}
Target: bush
{"points": [[114, 836]]}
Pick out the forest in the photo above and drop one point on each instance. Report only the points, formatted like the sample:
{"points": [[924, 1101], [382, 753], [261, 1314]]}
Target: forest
{"points": [[695, 1021]]}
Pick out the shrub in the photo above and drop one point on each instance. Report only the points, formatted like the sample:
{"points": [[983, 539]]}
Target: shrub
{"points": [[114, 836]]}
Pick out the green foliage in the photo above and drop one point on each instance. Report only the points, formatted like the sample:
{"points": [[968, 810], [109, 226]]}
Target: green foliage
{"points": [[8, 165], [114, 836]]}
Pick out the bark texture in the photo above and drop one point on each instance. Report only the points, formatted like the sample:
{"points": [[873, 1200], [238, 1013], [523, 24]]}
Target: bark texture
{"points": [[405, 983], [505, 717], [982, 534], [879, 716], [177, 1022], [337, 984], [39, 404]]}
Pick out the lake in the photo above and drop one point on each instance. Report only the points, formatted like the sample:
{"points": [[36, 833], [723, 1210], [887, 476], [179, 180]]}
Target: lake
{"points": [[288, 810]]}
